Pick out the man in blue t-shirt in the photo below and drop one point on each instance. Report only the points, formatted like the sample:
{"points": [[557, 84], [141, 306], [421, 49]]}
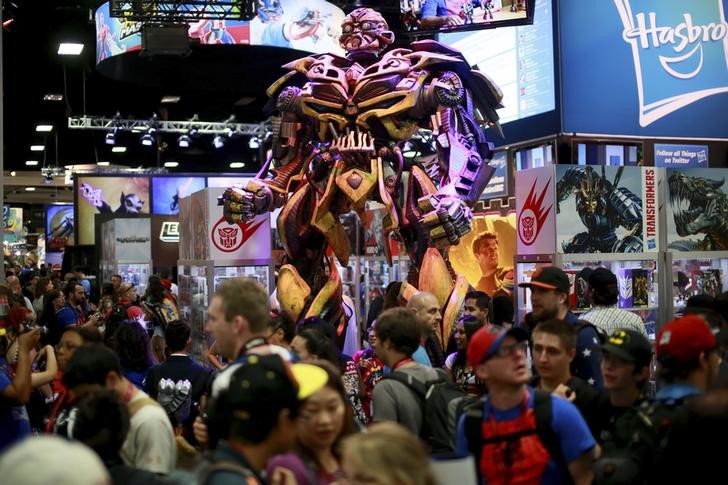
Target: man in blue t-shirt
{"points": [[511, 441], [443, 13], [15, 392]]}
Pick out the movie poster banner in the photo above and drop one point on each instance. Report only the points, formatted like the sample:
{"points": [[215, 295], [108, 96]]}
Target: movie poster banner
{"points": [[697, 203], [535, 211], [12, 224], [167, 191], [485, 255], [601, 210], [107, 195], [59, 227]]}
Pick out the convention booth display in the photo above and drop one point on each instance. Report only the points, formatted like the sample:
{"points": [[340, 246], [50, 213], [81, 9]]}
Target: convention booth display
{"points": [[126, 250], [211, 251], [576, 217]]}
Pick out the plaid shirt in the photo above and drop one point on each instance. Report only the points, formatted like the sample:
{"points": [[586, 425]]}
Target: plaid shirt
{"points": [[609, 319]]}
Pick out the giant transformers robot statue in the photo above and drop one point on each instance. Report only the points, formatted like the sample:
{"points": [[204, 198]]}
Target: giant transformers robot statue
{"points": [[340, 125]]}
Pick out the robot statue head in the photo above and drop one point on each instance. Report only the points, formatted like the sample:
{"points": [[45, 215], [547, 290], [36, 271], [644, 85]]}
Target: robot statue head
{"points": [[365, 32]]}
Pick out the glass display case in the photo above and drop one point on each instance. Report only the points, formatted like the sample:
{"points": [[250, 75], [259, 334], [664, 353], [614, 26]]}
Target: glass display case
{"points": [[136, 272], [198, 281], [696, 273]]}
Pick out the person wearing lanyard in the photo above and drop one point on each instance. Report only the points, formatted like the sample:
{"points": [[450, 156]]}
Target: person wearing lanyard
{"points": [[237, 318], [398, 337]]}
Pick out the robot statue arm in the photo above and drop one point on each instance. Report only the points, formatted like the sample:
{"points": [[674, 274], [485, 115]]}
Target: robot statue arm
{"points": [[269, 190], [629, 208]]}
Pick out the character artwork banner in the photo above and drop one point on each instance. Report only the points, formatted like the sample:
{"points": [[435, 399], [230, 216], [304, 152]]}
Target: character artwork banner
{"points": [[485, 255]]}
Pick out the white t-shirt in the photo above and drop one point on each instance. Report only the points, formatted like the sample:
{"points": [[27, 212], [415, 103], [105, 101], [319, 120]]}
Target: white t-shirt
{"points": [[150, 444]]}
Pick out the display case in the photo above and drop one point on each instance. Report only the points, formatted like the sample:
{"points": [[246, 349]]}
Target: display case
{"points": [[126, 250], [696, 273], [212, 251], [197, 283], [135, 273]]}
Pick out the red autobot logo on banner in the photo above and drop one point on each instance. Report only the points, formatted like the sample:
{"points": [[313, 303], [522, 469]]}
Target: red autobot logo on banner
{"points": [[533, 215], [231, 237]]}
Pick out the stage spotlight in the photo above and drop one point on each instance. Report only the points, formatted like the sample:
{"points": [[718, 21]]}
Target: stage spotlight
{"points": [[254, 143], [184, 141], [218, 142], [111, 137], [148, 138]]}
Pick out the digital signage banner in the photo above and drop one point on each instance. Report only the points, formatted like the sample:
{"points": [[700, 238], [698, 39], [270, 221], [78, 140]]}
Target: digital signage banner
{"points": [[667, 155], [498, 183], [645, 67], [167, 191], [59, 227], [311, 26]]}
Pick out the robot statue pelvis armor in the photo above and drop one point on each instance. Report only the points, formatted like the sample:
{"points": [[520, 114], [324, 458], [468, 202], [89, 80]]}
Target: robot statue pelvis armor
{"points": [[339, 129]]}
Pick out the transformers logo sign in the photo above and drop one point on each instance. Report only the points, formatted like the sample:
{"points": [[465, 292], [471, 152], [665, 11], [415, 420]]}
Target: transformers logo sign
{"points": [[231, 237], [533, 215]]}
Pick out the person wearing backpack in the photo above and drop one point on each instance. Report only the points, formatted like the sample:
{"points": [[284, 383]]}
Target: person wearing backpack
{"points": [[515, 433], [550, 289], [398, 337]]}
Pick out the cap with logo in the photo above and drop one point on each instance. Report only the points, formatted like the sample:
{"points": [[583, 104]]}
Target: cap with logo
{"points": [[484, 344], [549, 278], [630, 346], [683, 339]]}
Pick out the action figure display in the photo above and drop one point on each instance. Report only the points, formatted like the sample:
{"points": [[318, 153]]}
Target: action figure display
{"points": [[699, 207], [602, 206], [337, 142]]}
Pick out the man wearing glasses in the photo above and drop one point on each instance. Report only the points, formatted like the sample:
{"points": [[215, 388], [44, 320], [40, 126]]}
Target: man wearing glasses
{"points": [[516, 432]]}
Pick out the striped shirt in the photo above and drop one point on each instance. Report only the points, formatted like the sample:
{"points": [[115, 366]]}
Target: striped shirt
{"points": [[609, 319]]}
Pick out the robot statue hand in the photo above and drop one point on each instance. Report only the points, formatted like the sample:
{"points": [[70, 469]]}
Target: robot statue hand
{"points": [[446, 219], [242, 204]]}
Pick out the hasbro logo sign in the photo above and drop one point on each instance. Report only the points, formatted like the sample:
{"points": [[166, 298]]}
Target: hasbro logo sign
{"points": [[684, 52]]}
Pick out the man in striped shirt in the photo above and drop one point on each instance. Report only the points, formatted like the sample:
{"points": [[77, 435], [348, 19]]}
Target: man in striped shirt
{"points": [[604, 293]]}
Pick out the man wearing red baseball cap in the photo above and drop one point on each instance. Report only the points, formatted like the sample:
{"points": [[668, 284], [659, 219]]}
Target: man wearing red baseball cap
{"points": [[515, 417]]}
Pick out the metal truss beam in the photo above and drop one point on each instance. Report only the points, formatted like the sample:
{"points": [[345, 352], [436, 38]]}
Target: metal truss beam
{"points": [[202, 127], [182, 10]]}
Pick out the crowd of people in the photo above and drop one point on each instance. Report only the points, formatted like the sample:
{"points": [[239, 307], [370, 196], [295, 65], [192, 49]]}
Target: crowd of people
{"points": [[109, 393]]}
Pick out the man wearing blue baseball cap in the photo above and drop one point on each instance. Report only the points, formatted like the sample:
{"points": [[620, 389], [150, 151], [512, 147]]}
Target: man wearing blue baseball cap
{"points": [[514, 417]]}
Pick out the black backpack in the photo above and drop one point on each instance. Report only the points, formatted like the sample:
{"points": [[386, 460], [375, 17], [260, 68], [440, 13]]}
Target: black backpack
{"points": [[582, 324], [443, 403], [542, 412]]}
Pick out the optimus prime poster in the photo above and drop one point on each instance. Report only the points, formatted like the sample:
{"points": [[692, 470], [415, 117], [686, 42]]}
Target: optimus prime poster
{"points": [[59, 227], [311, 26], [106, 195], [167, 191], [535, 211], [697, 204], [606, 209], [205, 234], [485, 255]]}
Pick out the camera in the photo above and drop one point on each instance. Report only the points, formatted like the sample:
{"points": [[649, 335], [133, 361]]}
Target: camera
{"points": [[31, 327]]}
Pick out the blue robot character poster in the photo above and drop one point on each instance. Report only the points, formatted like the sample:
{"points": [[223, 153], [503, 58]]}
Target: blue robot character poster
{"points": [[599, 209], [167, 191], [697, 204], [59, 226]]}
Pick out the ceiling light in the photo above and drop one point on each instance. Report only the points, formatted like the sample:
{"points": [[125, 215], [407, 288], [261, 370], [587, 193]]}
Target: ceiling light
{"points": [[30, 189], [147, 140], [118, 149], [37, 148], [254, 143], [70, 49], [171, 164], [170, 99], [12, 173], [111, 137], [44, 128], [103, 164], [53, 97], [237, 164], [218, 142], [31, 163], [184, 141]]}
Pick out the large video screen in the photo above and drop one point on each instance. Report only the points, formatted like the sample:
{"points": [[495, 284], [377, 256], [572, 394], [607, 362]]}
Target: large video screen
{"points": [[167, 191], [520, 60], [59, 227], [453, 15], [107, 195]]}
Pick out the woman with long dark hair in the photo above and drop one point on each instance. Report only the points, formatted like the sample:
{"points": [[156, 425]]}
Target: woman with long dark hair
{"points": [[324, 420], [457, 364], [132, 347]]}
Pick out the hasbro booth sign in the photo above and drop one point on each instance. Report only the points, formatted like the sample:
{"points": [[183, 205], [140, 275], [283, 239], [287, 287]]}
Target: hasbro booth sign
{"points": [[668, 155], [645, 67]]}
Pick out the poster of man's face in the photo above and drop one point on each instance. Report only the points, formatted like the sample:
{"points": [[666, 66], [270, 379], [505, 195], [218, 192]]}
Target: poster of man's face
{"points": [[485, 255]]}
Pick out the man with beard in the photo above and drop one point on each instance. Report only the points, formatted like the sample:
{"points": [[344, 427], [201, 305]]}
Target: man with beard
{"points": [[494, 278], [550, 299]]}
